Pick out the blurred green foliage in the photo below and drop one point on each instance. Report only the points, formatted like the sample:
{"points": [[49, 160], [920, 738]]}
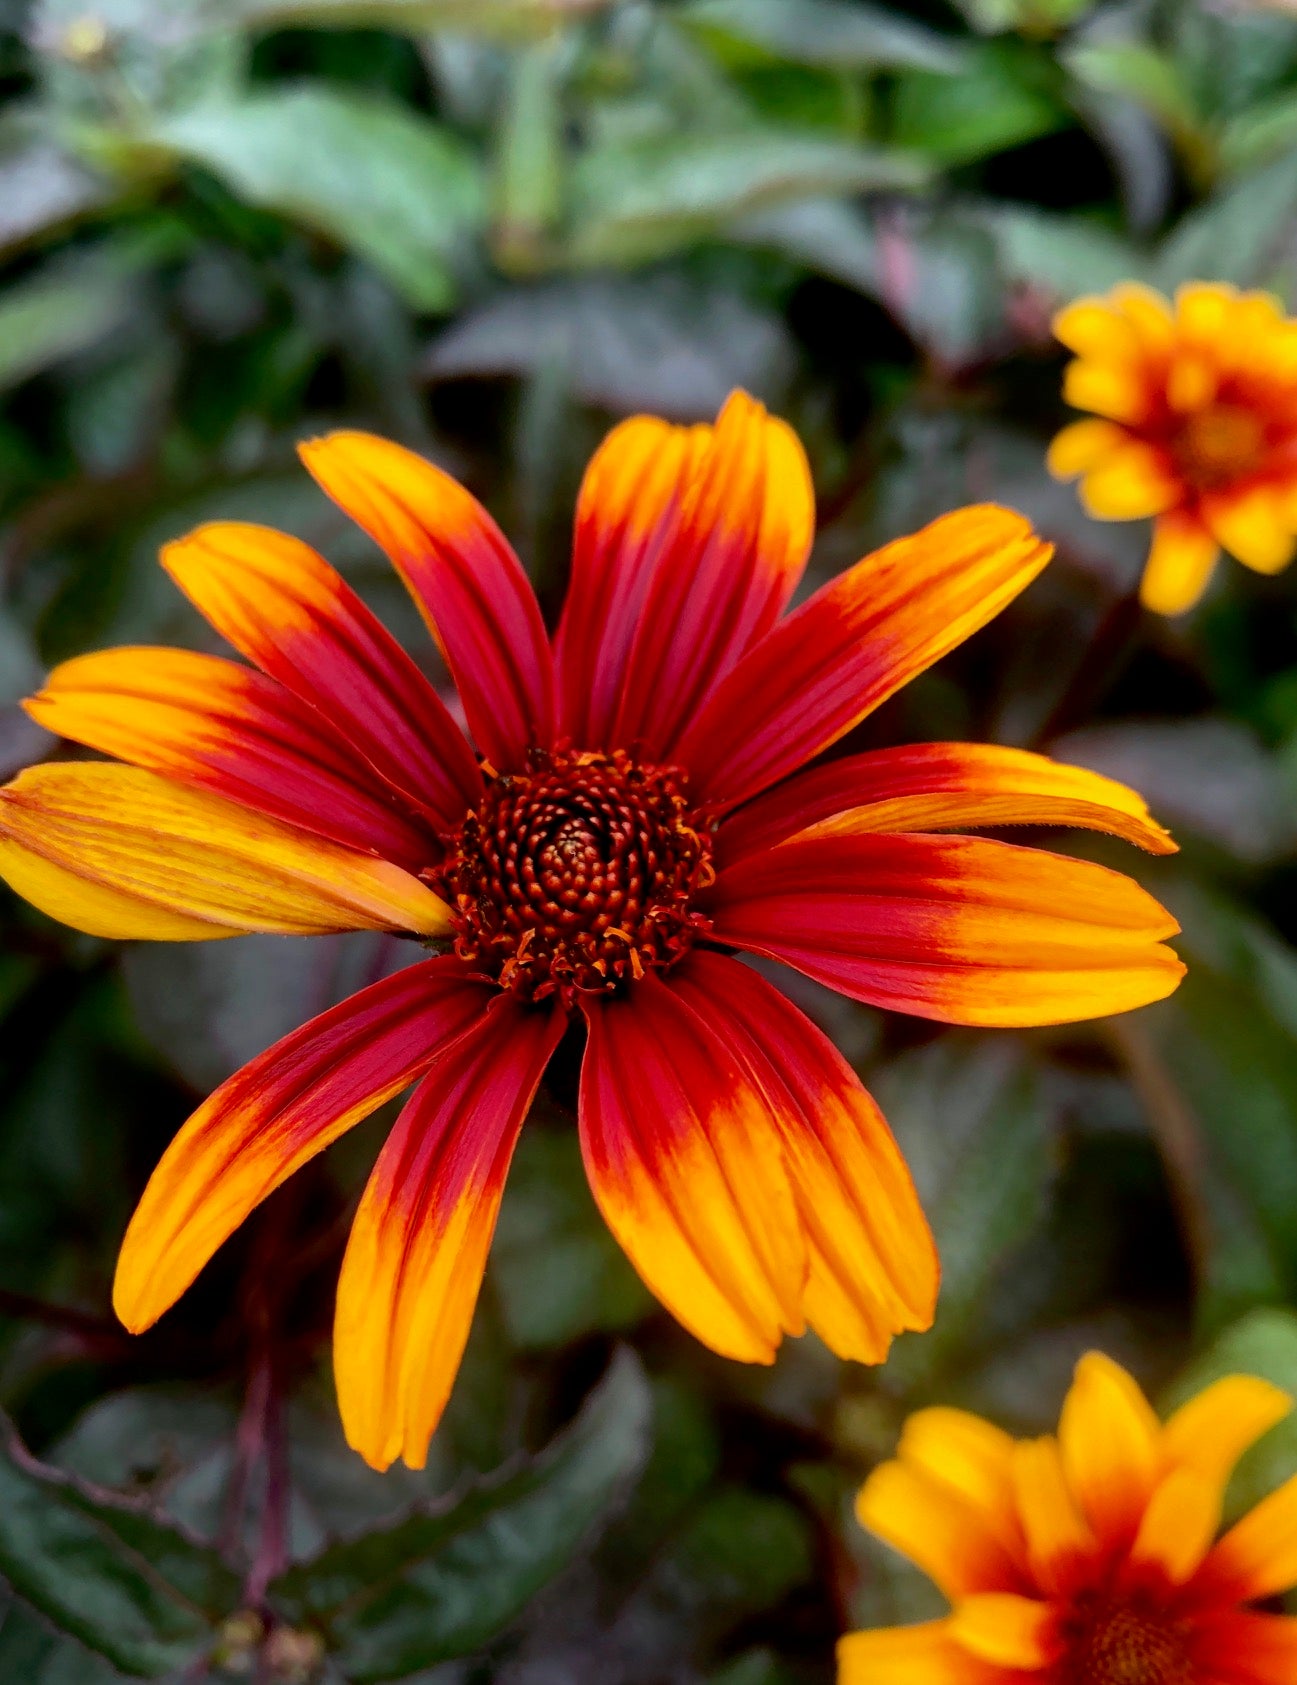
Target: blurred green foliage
{"points": [[489, 228]]}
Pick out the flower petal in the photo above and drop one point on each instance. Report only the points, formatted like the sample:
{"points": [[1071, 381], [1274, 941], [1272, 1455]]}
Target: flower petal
{"points": [[460, 570], [873, 1268], [1149, 315], [938, 787], [1253, 526], [1240, 1647], [1204, 311], [1119, 390], [1180, 564], [683, 1160], [1212, 1431], [234, 732], [1258, 1556], [940, 1529], [1081, 446], [281, 1109], [1010, 1631], [290, 613], [1131, 481], [915, 1655], [971, 1457], [1111, 1444], [1059, 1540], [418, 1247], [856, 641], [689, 544], [960, 929], [1178, 1526], [629, 498], [1093, 327], [1192, 382], [123, 853]]}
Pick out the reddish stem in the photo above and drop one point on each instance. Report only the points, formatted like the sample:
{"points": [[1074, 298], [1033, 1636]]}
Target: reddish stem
{"points": [[95, 1330], [271, 1556]]}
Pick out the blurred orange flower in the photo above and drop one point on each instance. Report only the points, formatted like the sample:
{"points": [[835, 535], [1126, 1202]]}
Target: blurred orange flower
{"points": [[624, 818], [1197, 408], [1091, 1558]]}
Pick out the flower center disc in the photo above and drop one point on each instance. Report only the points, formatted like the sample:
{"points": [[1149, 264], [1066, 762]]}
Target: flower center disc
{"points": [[1220, 444], [1123, 1644], [577, 875]]}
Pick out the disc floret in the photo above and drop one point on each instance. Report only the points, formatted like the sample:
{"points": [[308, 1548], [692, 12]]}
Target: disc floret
{"points": [[1220, 445], [1121, 1640], [577, 875]]}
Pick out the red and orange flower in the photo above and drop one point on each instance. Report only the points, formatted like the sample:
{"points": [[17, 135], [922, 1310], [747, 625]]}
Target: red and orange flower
{"points": [[1195, 423], [626, 820], [1091, 1558]]}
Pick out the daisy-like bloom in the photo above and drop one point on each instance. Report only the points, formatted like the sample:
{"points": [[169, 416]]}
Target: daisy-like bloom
{"points": [[1194, 422], [1090, 1558], [626, 820]]}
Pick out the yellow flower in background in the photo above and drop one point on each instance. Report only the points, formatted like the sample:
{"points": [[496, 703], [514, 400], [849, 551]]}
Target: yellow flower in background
{"points": [[1092, 1557], [1194, 423]]}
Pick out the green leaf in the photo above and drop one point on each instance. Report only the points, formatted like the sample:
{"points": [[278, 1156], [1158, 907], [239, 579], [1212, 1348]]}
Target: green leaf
{"points": [[638, 200], [1236, 236], [658, 342], [42, 189], [977, 1130], [30, 1654], [558, 1272], [754, 1667], [1210, 776], [946, 274], [360, 170], [530, 161], [1040, 17], [57, 313], [950, 299], [208, 1012], [831, 34], [1063, 256], [733, 1554], [507, 18], [1141, 73], [997, 101], [1233, 57], [805, 97], [76, 301], [176, 1445], [444, 1581], [740, 1550], [682, 1464], [69, 1102], [1263, 1343], [110, 1573], [1216, 1067], [1266, 130], [830, 236]]}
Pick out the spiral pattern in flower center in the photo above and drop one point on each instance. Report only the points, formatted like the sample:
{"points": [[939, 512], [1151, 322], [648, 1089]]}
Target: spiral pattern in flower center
{"points": [[577, 875], [1122, 1643]]}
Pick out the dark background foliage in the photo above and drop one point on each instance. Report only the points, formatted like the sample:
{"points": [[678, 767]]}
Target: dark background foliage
{"points": [[489, 228]]}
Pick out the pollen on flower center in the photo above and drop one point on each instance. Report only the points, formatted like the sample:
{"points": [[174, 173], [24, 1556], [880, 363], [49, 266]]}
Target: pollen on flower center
{"points": [[1220, 444], [577, 875], [1121, 1643]]}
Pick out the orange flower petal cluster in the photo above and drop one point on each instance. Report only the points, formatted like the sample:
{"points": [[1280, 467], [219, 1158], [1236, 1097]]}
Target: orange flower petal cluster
{"points": [[1090, 1557], [625, 814], [1194, 407]]}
